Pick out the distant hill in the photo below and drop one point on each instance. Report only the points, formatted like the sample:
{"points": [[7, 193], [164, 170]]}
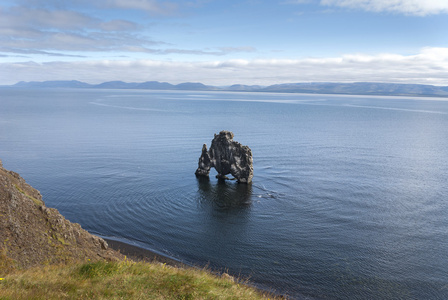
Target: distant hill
{"points": [[116, 85], [53, 84], [244, 88], [155, 85], [356, 88], [360, 88], [195, 86]]}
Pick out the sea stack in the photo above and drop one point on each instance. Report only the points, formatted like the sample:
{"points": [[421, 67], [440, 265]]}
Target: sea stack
{"points": [[227, 157]]}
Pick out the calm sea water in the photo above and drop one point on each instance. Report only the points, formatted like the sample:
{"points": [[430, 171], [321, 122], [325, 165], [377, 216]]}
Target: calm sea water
{"points": [[349, 198]]}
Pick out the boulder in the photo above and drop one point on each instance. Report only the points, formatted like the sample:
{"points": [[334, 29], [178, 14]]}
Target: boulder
{"points": [[227, 157]]}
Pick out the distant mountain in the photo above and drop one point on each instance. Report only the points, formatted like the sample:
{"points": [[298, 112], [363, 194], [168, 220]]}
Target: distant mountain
{"points": [[53, 84], [156, 85], [116, 85], [195, 86], [244, 88], [357, 88]]}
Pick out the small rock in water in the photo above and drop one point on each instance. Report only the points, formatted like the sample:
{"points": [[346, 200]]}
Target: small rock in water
{"points": [[227, 157]]}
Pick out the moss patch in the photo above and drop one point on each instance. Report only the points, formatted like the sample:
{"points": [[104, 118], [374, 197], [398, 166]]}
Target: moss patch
{"points": [[36, 201]]}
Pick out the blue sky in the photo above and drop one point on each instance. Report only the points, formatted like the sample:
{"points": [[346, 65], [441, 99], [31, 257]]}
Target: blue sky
{"points": [[225, 42]]}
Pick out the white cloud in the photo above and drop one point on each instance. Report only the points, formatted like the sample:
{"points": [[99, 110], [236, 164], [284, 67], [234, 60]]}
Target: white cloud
{"points": [[160, 7], [408, 7], [28, 52], [23, 17], [149, 6], [226, 50], [297, 1], [53, 31], [49, 30], [119, 25], [430, 66]]}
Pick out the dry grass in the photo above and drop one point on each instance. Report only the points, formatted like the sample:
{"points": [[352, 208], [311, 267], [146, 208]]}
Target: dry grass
{"points": [[121, 280], [7, 264]]}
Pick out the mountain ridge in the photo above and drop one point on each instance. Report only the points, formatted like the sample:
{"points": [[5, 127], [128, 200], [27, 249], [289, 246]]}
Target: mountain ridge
{"points": [[355, 88]]}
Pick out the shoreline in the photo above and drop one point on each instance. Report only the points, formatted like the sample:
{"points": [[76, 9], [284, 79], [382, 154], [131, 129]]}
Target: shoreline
{"points": [[141, 254]]}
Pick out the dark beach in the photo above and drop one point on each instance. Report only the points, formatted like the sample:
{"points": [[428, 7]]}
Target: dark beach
{"points": [[141, 254]]}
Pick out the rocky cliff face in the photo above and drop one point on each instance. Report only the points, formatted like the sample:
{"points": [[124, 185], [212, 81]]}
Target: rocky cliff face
{"points": [[33, 234], [227, 157]]}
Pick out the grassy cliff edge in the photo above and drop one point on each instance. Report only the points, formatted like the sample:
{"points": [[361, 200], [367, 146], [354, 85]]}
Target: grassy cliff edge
{"points": [[45, 256]]}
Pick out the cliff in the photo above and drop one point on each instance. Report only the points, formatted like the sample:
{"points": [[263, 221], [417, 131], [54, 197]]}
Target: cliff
{"points": [[33, 234], [45, 256]]}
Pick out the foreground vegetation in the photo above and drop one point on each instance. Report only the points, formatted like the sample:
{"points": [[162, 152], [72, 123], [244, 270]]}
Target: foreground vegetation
{"points": [[121, 280], [73, 264]]}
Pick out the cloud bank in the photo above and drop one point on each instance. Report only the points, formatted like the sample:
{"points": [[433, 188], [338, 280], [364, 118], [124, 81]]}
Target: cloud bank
{"points": [[52, 29], [84, 38], [429, 66], [407, 7]]}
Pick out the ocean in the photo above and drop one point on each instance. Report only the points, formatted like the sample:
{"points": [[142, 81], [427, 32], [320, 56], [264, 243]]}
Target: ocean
{"points": [[349, 198]]}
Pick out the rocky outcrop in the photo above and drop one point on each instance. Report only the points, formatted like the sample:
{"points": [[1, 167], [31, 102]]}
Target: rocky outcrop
{"points": [[204, 164], [33, 234], [227, 157]]}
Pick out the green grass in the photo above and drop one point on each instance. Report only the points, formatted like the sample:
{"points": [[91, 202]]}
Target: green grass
{"points": [[121, 280]]}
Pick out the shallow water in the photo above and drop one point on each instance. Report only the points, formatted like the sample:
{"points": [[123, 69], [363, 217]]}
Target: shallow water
{"points": [[349, 198]]}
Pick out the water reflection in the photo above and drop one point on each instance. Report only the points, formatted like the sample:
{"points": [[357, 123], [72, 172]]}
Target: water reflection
{"points": [[224, 195], [224, 235]]}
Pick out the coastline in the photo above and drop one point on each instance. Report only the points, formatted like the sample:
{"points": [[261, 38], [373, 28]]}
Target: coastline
{"points": [[141, 254], [39, 240]]}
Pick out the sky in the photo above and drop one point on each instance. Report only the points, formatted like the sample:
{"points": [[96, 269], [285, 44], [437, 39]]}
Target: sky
{"points": [[224, 42]]}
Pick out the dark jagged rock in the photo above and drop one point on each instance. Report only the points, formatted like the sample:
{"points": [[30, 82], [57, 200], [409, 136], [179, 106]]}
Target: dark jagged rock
{"points": [[204, 163], [227, 157]]}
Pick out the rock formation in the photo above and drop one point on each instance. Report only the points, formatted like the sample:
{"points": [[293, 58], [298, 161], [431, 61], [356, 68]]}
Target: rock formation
{"points": [[33, 234], [227, 157]]}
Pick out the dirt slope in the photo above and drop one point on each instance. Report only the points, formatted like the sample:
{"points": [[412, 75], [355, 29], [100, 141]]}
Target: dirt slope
{"points": [[33, 234]]}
